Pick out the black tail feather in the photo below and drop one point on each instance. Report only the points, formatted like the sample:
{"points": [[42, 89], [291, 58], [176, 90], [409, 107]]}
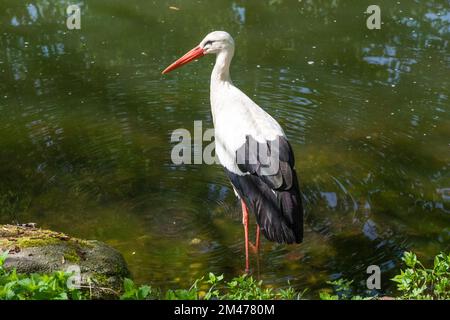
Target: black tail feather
{"points": [[279, 213]]}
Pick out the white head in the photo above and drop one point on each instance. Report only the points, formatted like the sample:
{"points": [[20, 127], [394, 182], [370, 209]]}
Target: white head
{"points": [[215, 42]]}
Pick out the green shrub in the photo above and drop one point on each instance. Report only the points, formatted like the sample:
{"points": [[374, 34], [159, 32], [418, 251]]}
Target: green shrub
{"points": [[342, 291], [14, 286], [418, 282], [243, 287], [132, 292]]}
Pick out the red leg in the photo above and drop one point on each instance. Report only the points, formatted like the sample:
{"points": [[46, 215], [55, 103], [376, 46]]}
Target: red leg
{"points": [[245, 223], [255, 247], [257, 238]]}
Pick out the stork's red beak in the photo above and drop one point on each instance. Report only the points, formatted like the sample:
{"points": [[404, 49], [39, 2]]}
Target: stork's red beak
{"points": [[195, 53]]}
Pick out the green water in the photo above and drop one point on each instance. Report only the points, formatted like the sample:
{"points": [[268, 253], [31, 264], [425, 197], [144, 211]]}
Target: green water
{"points": [[86, 119]]}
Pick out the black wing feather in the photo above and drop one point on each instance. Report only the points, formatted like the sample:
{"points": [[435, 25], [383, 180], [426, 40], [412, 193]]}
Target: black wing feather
{"points": [[273, 198]]}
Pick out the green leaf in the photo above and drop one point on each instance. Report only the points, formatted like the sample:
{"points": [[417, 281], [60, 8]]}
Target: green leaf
{"points": [[143, 292], [128, 285]]}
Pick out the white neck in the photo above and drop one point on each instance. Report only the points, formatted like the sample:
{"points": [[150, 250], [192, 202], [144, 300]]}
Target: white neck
{"points": [[221, 71], [220, 80]]}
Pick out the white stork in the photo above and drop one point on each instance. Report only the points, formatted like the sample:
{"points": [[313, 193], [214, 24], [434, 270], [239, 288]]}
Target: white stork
{"points": [[253, 149]]}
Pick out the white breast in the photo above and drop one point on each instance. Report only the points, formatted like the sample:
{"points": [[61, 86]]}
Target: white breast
{"points": [[235, 116]]}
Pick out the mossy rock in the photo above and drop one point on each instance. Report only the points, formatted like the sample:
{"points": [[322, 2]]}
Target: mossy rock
{"points": [[34, 250]]}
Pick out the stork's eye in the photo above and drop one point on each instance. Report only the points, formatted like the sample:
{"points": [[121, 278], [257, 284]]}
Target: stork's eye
{"points": [[209, 42]]}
